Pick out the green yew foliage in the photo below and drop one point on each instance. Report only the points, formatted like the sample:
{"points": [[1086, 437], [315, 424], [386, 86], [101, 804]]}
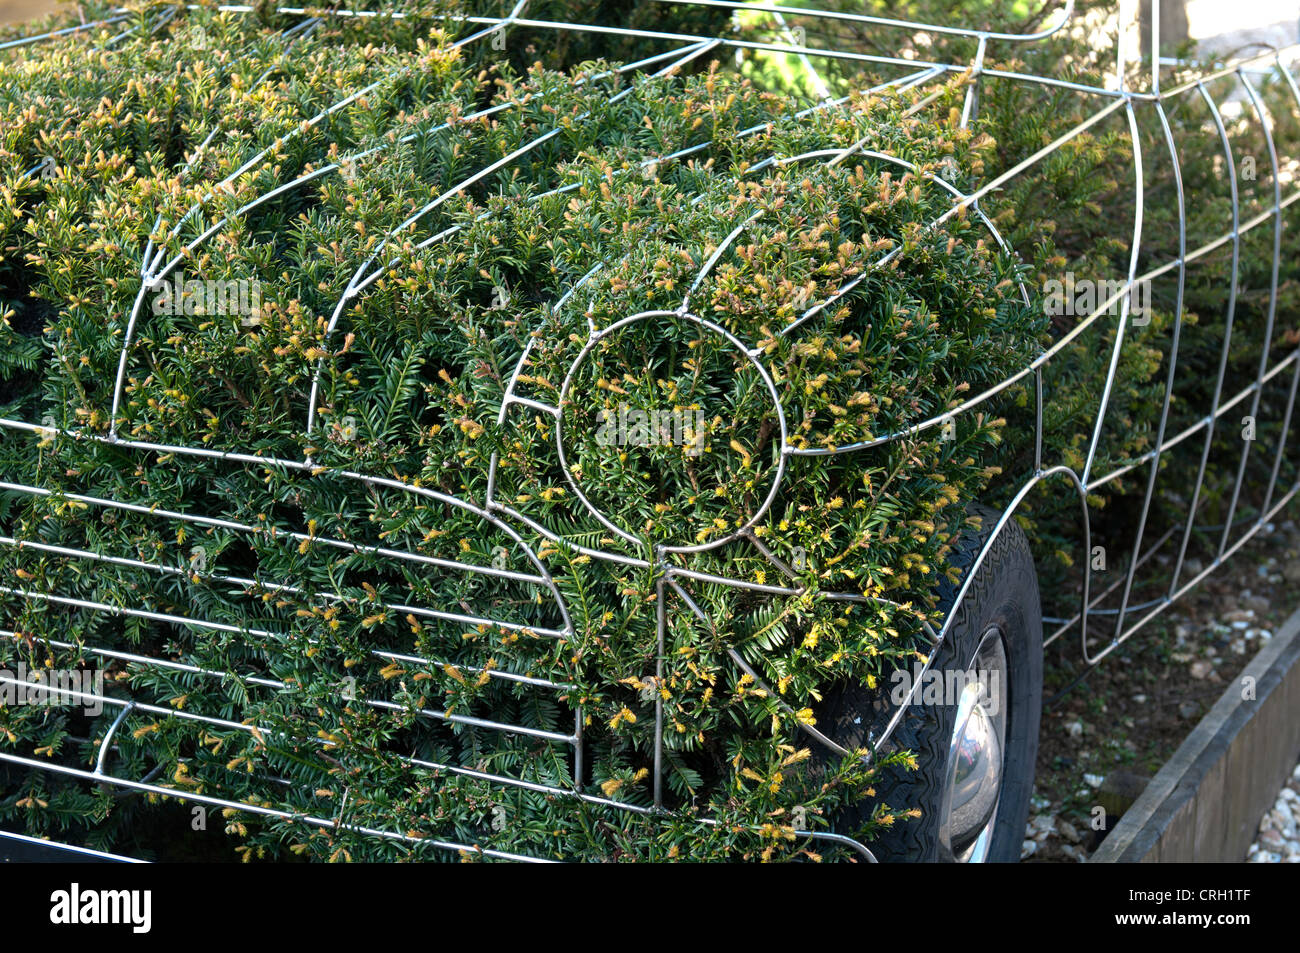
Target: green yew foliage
{"points": [[308, 626]]}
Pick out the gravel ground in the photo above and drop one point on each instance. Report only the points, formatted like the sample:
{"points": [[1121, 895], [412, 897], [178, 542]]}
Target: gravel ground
{"points": [[1279, 831], [1103, 742]]}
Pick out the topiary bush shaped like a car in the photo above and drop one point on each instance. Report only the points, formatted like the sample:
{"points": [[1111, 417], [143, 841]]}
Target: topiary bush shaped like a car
{"points": [[438, 457], [506, 510]]}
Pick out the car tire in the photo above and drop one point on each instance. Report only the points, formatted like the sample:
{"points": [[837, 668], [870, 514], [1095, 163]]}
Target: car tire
{"points": [[1001, 610]]}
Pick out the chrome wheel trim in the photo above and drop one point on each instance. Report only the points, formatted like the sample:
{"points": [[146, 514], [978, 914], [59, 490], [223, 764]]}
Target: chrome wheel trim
{"points": [[974, 773]]}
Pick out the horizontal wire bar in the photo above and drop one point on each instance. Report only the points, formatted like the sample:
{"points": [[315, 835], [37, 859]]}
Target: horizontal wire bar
{"points": [[70, 848], [248, 808], [273, 533], [314, 470], [1067, 12], [1192, 583], [149, 661], [79, 28], [21, 544], [170, 619], [503, 780], [1201, 424]]}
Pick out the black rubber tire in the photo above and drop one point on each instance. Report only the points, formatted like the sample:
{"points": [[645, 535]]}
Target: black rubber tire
{"points": [[1004, 593]]}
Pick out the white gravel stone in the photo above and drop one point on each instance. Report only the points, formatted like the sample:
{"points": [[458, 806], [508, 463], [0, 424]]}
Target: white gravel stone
{"points": [[1279, 829], [1067, 830], [1272, 839], [1042, 826]]}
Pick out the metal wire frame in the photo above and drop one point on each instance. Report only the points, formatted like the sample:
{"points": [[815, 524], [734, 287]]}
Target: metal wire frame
{"points": [[1084, 481], [228, 524], [575, 739], [715, 260], [66, 31], [294, 34]]}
